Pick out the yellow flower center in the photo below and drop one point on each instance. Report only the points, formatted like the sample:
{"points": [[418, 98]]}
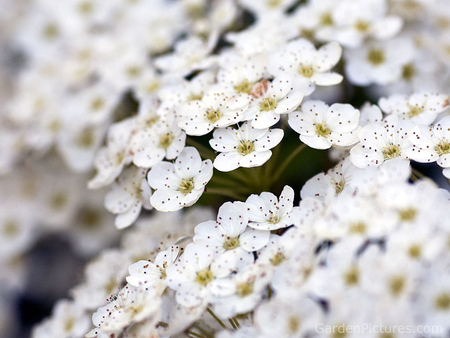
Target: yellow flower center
{"points": [[213, 115], [166, 140], [246, 147], [397, 285], [442, 302], [443, 147], [306, 70], [204, 277], [358, 228], [391, 151], [326, 19], [268, 104], [322, 130], [408, 215], [277, 259], [362, 26], [415, 251], [244, 87], [244, 289], [186, 185], [408, 72], [376, 57], [351, 277], [231, 243]]}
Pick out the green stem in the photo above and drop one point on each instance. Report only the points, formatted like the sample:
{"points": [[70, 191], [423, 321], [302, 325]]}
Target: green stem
{"points": [[232, 323], [204, 151], [236, 322], [216, 318], [224, 192], [287, 161], [203, 331], [417, 173], [193, 334]]}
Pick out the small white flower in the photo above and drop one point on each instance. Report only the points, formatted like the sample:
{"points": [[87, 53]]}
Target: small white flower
{"points": [[215, 110], [240, 293], [357, 20], [267, 213], [193, 274], [179, 184], [130, 305], [420, 108], [110, 160], [431, 143], [244, 147], [379, 143], [281, 96], [321, 126], [380, 63], [162, 139], [146, 273], [230, 232], [128, 195], [301, 59]]}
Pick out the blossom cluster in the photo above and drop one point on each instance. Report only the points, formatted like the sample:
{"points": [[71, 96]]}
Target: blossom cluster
{"points": [[169, 100], [266, 267]]}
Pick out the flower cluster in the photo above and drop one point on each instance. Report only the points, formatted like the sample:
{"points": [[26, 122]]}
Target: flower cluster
{"points": [[158, 105]]}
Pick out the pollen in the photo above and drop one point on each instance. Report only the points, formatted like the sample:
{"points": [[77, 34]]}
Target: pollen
{"points": [[351, 277], [213, 115], [376, 57], [408, 215], [442, 302], [397, 285], [246, 147], [244, 87], [306, 71], [322, 130], [391, 151], [244, 289], [268, 104], [443, 148], [231, 243], [166, 140], [186, 185], [277, 259], [204, 277]]}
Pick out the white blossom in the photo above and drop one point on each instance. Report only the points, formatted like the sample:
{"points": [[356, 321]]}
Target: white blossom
{"points": [[179, 184], [244, 147]]}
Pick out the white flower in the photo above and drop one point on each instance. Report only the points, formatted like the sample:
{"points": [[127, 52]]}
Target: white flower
{"points": [[285, 318], [161, 139], [244, 147], [130, 305], [110, 160], [128, 195], [332, 183], [265, 212], [321, 126], [190, 54], [420, 108], [179, 184], [380, 63], [357, 20], [281, 96], [301, 59], [241, 292], [146, 273], [379, 143], [431, 143], [215, 110], [230, 232], [192, 275]]}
